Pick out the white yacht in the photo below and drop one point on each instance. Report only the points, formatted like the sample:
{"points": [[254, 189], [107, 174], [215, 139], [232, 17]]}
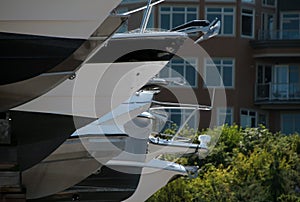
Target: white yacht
{"points": [[85, 151], [116, 154], [112, 185], [130, 175], [107, 77], [100, 85], [67, 19], [33, 65], [52, 37], [42, 44]]}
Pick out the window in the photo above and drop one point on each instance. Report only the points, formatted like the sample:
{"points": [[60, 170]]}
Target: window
{"points": [[247, 22], [286, 81], [169, 117], [251, 118], [263, 81], [248, 1], [290, 123], [226, 15], [269, 2], [219, 73], [183, 69], [178, 117], [264, 74], [262, 119], [225, 116], [248, 118], [290, 25], [173, 16], [278, 82]]}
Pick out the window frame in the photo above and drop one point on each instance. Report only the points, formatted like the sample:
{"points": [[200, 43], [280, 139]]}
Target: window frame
{"points": [[160, 12], [253, 23], [221, 83], [185, 64], [257, 114], [248, 115], [219, 113], [222, 13], [268, 5], [185, 113], [281, 121], [282, 22], [247, 2]]}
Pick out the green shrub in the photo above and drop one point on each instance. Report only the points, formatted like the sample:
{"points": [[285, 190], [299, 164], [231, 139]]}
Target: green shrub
{"points": [[248, 165]]}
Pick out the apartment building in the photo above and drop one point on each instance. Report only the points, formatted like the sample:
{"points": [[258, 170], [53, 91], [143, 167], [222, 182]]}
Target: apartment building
{"points": [[257, 55]]}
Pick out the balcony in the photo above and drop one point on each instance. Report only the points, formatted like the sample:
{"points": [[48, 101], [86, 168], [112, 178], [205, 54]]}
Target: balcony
{"points": [[277, 93], [278, 35], [277, 44]]}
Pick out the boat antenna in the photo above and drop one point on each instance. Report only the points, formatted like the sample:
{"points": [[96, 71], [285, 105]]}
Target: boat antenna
{"points": [[146, 16], [142, 8]]}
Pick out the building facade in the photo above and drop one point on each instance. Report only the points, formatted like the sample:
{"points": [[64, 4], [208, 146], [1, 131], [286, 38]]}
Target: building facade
{"points": [[257, 55]]}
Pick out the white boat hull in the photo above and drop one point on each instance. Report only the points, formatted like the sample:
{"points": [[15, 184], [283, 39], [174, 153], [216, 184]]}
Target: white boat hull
{"points": [[123, 181], [155, 175], [101, 84], [70, 164], [97, 89], [86, 151], [56, 18], [35, 65], [110, 76]]}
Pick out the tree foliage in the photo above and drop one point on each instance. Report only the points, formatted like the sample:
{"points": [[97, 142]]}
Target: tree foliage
{"points": [[247, 165]]}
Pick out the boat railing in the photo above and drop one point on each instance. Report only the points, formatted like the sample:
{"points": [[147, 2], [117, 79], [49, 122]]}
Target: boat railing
{"points": [[206, 29], [148, 30], [144, 7], [147, 13], [196, 26], [184, 136]]}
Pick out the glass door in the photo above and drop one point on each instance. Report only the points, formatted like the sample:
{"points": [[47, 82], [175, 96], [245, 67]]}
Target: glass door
{"points": [[263, 82], [268, 26], [280, 82]]}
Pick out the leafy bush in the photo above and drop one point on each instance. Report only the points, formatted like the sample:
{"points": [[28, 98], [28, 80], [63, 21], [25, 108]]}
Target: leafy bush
{"points": [[251, 165]]}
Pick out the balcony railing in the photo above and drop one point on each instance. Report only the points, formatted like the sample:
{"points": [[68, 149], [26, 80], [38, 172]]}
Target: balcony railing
{"points": [[277, 92], [279, 35]]}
